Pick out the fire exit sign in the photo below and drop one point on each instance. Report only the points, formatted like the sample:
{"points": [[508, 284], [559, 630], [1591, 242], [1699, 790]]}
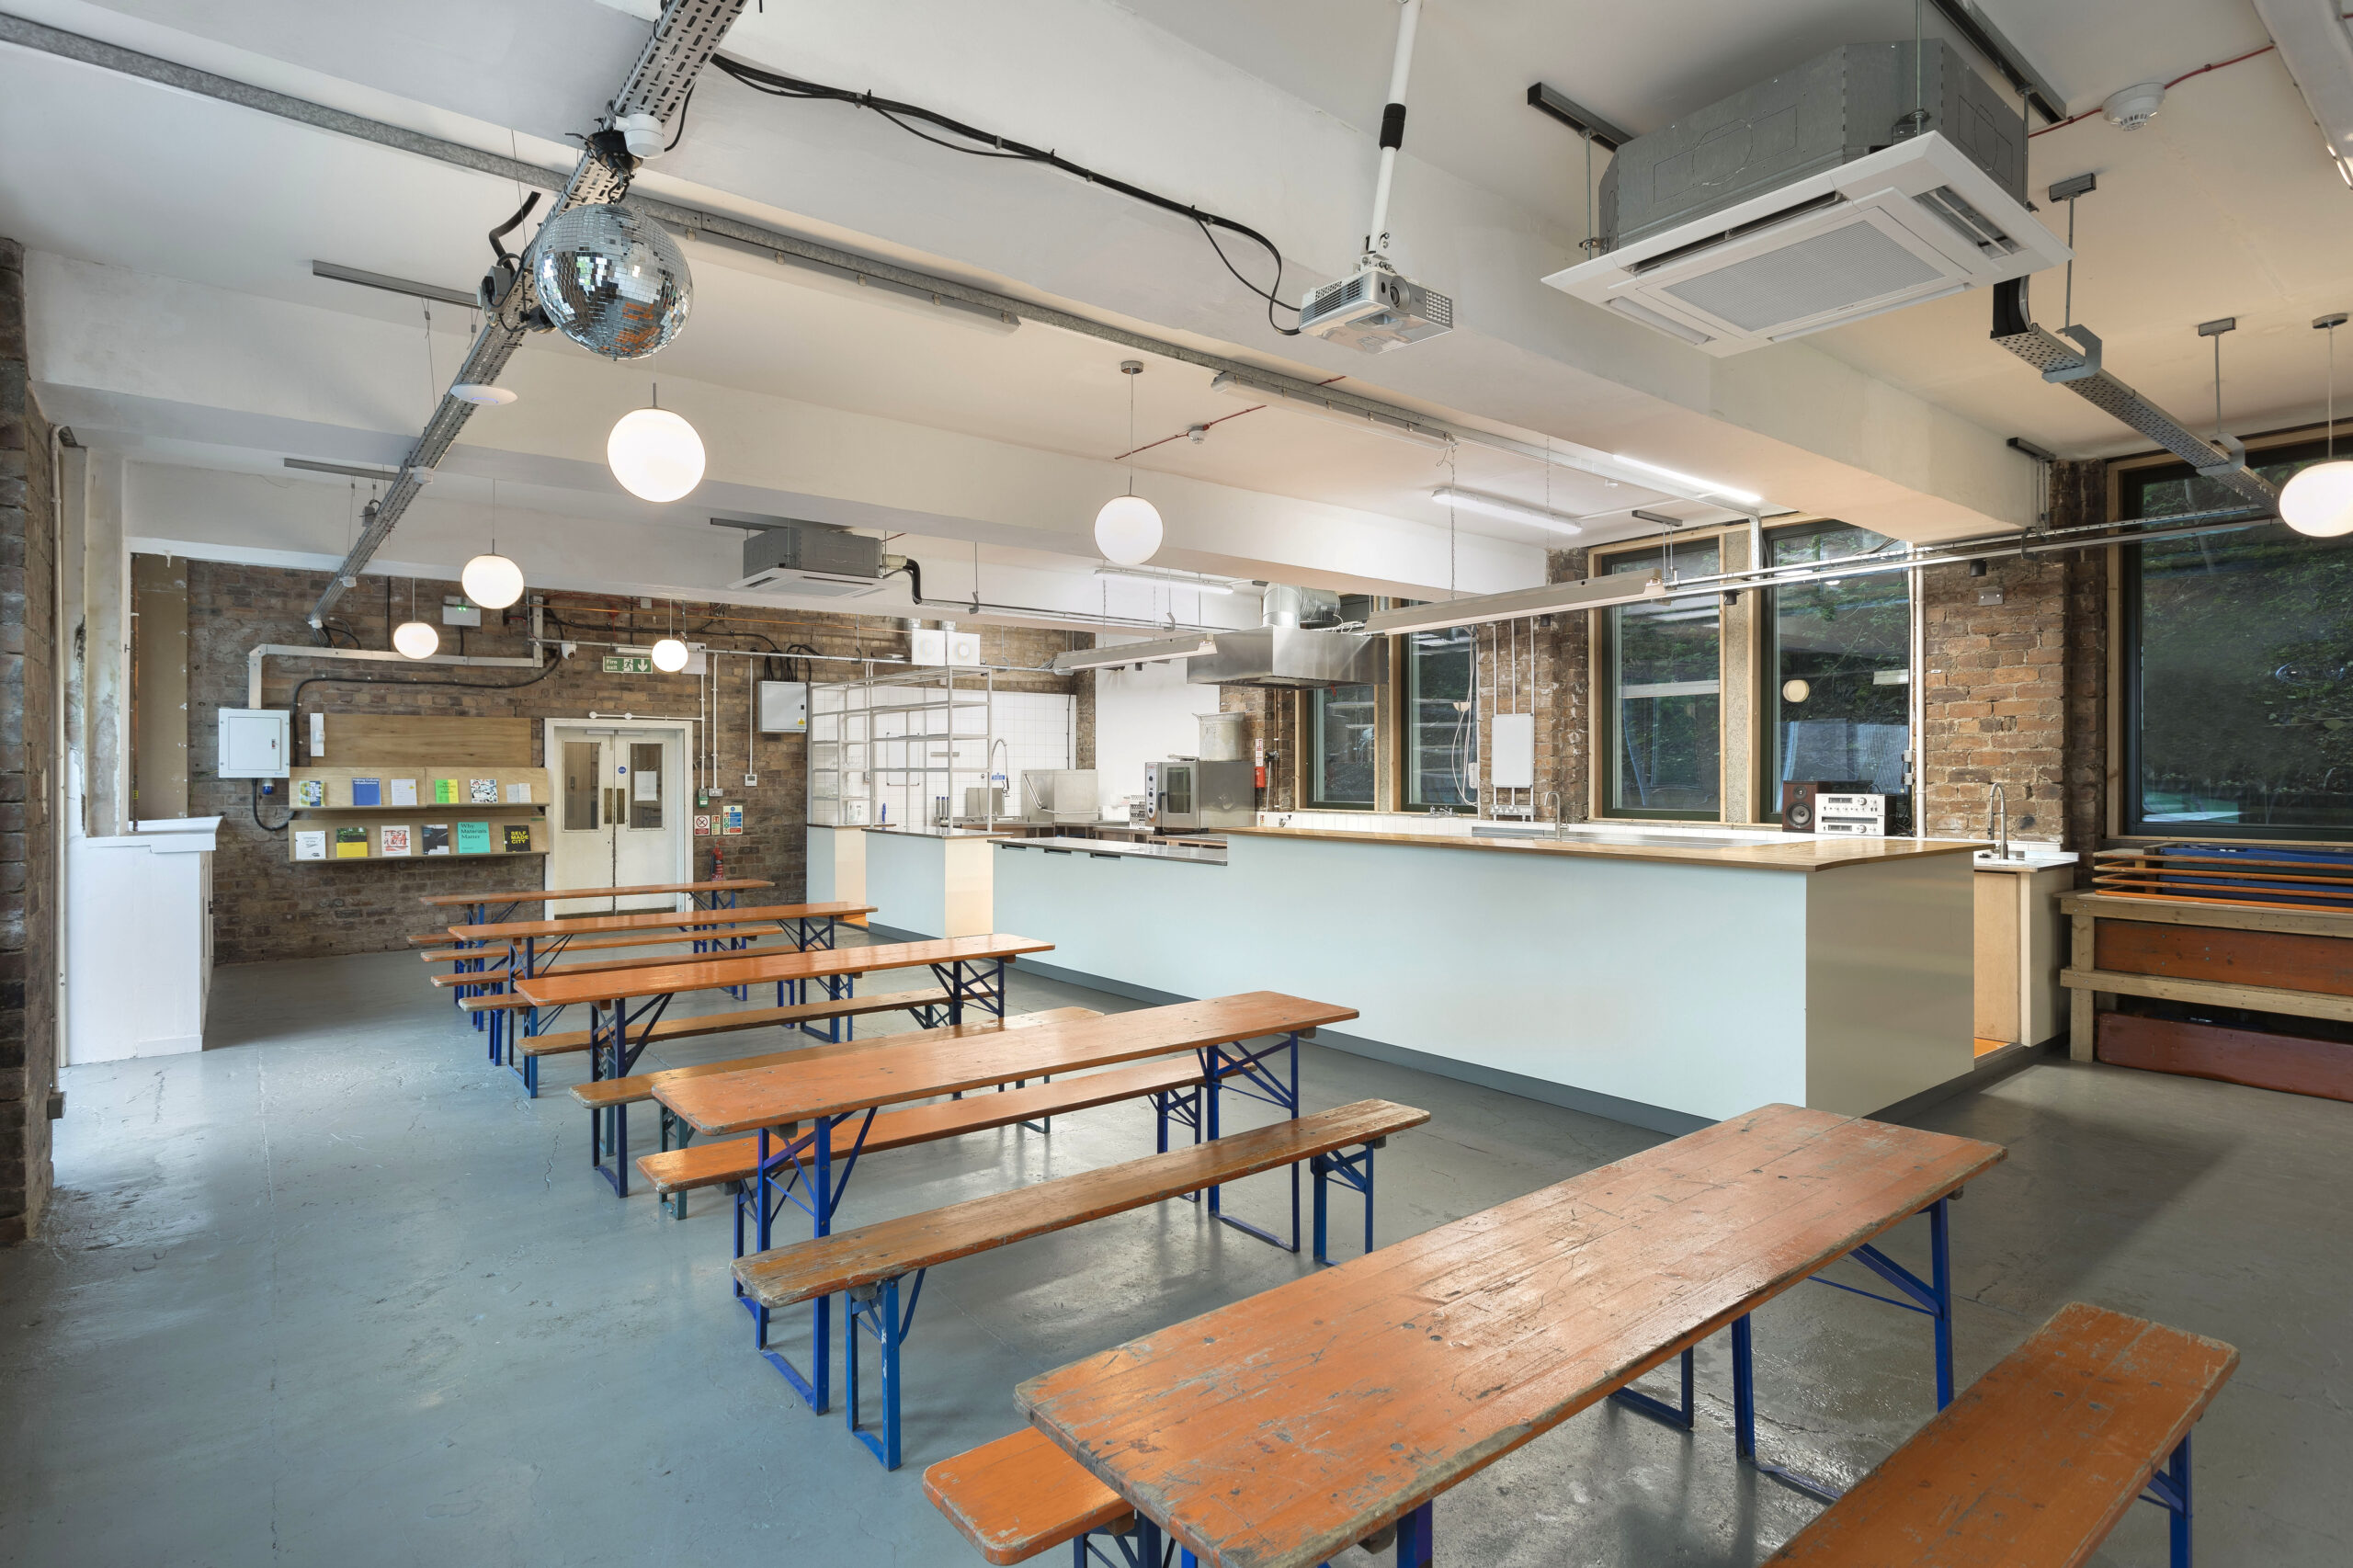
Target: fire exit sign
{"points": [[627, 665]]}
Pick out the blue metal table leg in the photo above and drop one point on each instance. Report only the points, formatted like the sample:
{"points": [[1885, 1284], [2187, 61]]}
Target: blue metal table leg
{"points": [[1416, 1547], [2169, 1490]]}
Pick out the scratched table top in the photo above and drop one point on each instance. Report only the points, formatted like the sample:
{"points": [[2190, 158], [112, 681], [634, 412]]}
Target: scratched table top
{"points": [[656, 920], [714, 972], [1276, 1432]]}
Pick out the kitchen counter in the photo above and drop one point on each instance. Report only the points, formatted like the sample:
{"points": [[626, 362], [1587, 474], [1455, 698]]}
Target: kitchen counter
{"points": [[1634, 841], [1676, 979], [1108, 848]]}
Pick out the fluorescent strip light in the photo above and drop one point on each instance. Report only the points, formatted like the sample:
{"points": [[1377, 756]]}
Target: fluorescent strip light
{"points": [[1553, 598], [1193, 645], [1706, 487], [1504, 506], [1397, 425], [1165, 579]]}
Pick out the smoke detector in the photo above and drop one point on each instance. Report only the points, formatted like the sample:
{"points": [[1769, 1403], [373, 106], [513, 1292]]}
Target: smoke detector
{"points": [[2135, 106]]}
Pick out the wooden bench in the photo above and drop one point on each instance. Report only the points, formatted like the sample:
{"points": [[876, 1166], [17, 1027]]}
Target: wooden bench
{"points": [[676, 1172], [596, 944], [2035, 1463], [870, 1262], [497, 975], [2030, 1467], [568, 1042]]}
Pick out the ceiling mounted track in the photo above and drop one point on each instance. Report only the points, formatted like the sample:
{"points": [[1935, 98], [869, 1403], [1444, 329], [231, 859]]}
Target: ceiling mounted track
{"points": [[2076, 366]]}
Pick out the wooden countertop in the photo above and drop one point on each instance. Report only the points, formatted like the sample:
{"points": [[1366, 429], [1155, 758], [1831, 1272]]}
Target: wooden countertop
{"points": [[1793, 853]]}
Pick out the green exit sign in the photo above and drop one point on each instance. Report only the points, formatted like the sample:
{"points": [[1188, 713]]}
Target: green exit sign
{"points": [[627, 665]]}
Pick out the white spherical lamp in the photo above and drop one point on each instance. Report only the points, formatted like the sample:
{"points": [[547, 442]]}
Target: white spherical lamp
{"points": [[414, 640], [2319, 500], [492, 581], [1127, 530], [654, 454], [670, 655]]}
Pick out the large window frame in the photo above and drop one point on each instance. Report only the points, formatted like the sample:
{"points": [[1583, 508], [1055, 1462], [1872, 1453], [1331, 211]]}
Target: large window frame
{"points": [[1318, 756], [1771, 677], [1412, 724], [2129, 480], [1603, 640]]}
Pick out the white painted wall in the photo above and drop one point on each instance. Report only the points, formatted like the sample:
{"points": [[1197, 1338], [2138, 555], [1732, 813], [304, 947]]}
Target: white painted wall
{"points": [[1143, 715]]}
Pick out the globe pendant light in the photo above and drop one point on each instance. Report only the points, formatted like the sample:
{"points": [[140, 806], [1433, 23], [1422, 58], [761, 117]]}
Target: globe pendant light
{"points": [[670, 655], [413, 637], [2319, 500], [1127, 530], [491, 580], [654, 454]]}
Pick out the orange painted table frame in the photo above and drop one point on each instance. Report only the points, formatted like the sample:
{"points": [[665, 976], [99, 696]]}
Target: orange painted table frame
{"points": [[1275, 1432]]}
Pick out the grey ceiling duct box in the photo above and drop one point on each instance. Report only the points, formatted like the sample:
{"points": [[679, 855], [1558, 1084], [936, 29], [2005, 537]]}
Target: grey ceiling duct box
{"points": [[1808, 201], [809, 559]]}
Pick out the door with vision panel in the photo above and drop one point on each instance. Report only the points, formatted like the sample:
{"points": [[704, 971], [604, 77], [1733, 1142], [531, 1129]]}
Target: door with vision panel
{"points": [[620, 820]]}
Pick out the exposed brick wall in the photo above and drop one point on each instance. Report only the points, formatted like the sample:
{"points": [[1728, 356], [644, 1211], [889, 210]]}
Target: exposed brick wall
{"points": [[267, 907], [29, 859]]}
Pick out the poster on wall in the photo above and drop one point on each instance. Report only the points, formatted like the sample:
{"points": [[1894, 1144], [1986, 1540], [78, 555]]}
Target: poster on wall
{"points": [[392, 841], [734, 819], [702, 824]]}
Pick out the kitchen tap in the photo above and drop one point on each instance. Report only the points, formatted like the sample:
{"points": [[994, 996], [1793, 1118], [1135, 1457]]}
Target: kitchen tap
{"points": [[1997, 817]]}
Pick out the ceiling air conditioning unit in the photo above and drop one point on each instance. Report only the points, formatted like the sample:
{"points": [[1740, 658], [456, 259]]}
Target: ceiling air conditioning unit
{"points": [[1825, 196], [812, 560]]}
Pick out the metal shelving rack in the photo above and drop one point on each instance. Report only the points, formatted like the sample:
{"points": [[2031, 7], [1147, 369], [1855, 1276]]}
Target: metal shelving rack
{"points": [[883, 750]]}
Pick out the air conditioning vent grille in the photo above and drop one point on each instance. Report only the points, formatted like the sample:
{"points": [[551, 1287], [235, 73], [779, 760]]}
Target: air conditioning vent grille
{"points": [[1974, 226], [1841, 268]]}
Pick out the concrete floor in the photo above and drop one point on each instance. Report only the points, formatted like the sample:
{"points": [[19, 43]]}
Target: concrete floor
{"points": [[332, 1292]]}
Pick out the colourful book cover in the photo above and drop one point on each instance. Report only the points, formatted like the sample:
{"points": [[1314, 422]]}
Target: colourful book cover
{"points": [[366, 792], [518, 836], [392, 841], [437, 838], [445, 792], [351, 843], [311, 792], [482, 791], [473, 838]]}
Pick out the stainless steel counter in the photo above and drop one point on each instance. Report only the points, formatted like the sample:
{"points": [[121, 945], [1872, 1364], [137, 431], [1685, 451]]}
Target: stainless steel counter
{"points": [[1109, 849]]}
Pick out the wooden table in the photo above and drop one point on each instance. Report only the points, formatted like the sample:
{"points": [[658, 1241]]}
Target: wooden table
{"points": [[1276, 1432], [810, 925], [2296, 962], [816, 1096], [477, 905]]}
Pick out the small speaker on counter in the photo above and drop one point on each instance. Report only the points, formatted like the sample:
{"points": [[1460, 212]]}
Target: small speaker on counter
{"points": [[1798, 810]]}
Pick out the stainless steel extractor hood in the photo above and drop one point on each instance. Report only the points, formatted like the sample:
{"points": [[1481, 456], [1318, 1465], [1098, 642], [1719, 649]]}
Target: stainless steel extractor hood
{"points": [[1290, 656]]}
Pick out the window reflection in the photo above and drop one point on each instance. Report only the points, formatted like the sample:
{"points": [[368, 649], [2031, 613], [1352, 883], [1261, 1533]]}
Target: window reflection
{"points": [[1841, 663], [1666, 679]]}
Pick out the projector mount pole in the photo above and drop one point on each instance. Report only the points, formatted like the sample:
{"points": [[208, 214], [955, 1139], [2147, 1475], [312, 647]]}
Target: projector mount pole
{"points": [[1393, 130]]}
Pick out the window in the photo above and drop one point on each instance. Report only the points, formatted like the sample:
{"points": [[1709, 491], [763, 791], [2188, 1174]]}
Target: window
{"points": [[1840, 664], [2238, 698], [1662, 719], [1342, 749], [1441, 720]]}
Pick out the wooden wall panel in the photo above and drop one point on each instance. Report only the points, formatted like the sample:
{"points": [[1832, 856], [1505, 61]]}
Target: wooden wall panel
{"points": [[376, 739], [2276, 959]]}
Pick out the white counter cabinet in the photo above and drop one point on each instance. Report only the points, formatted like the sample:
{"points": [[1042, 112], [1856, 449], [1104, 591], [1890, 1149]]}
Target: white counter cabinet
{"points": [[139, 940], [1661, 989]]}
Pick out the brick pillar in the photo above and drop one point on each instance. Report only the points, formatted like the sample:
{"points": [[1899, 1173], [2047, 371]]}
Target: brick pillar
{"points": [[28, 830]]}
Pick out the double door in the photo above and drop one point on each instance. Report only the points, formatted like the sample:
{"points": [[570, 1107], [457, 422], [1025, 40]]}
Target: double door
{"points": [[619, 818]]}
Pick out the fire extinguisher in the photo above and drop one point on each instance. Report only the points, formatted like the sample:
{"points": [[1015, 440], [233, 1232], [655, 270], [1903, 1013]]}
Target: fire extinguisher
{"points": [[718, 864]]}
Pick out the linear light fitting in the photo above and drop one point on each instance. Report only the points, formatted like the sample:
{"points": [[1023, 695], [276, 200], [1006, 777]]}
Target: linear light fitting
{"points": [[1395, 426], [1504, 507], [1705, 486], [1165, 579], [1520, 603], [1192, 645]]}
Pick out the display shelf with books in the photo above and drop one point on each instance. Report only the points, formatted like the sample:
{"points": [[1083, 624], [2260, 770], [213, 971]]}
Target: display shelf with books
{"points": [[396, 811]]}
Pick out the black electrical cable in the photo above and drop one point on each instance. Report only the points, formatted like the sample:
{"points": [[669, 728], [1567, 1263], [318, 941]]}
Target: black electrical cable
{"points": [[993, 146], [282, 828], [684, 104]]}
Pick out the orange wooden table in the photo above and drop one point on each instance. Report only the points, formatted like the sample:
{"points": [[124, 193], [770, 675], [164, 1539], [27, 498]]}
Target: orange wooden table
{"points": [[1277, 1432], [814, 1097]]}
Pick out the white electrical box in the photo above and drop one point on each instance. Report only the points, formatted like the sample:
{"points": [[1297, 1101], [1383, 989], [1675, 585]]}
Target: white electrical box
{"points": [[458, 612], [1511, 760], [926, 645], [963, 647], [255, 742], [784, 708]]}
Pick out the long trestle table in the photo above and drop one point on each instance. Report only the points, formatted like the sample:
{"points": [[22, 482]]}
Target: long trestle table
{"points": [[1277, 1432], [814, 1097]]}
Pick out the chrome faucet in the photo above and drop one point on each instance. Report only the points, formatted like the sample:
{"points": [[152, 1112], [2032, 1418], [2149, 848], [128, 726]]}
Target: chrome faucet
{"points": [[1997, 814], [1555, 795]]}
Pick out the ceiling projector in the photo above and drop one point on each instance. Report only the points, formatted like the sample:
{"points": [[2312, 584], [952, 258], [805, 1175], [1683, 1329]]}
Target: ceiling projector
{"points": [[1376, 309]]}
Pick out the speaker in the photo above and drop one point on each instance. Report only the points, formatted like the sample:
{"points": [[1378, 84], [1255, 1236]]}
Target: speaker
{"points": [[1797, 799]]}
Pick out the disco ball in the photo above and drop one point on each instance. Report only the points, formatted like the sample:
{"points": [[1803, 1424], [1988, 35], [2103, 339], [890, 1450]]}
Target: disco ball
{"points": [[612, 280]]}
